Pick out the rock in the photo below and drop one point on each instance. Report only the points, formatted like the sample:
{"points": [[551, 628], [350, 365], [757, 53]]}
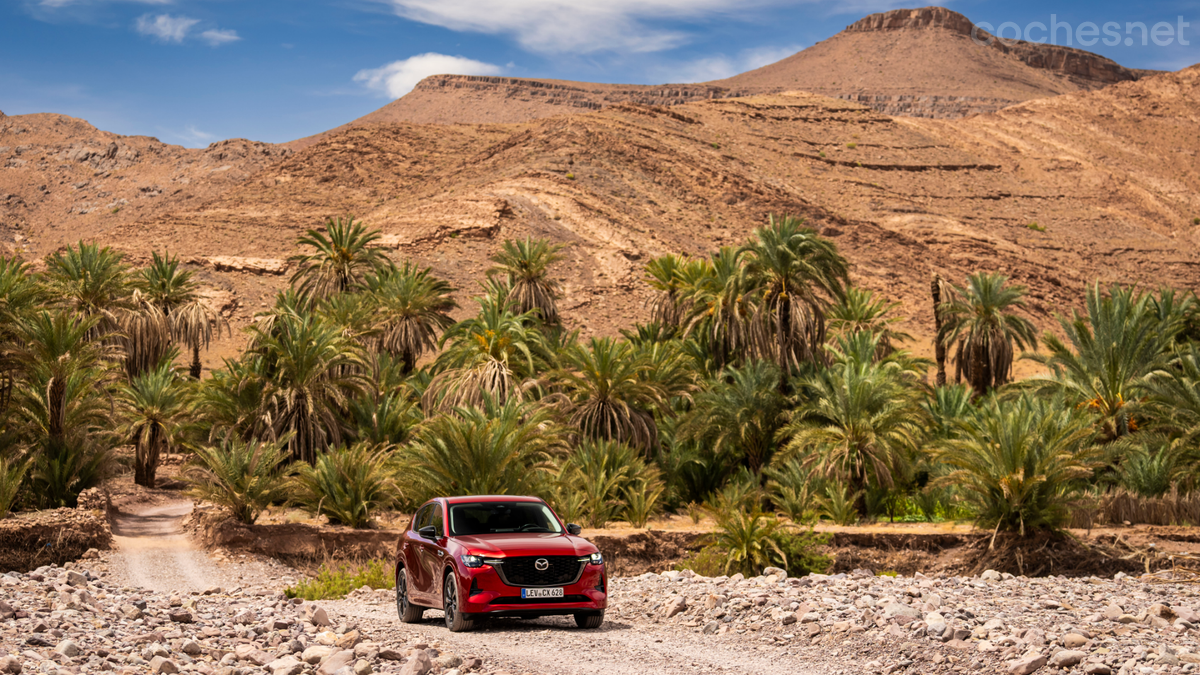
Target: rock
{"points": [[894, 609], [76, 579], [991, 575], [362, 667], [1027, 665], [446, 661], [711, 627], [935, 624], [259, 657], [1189, 657], [1066, 658], [336, 662], [244, 618], [1096, 669], [180, 616], [6, 611], [348, 640], [419, 664], [1112, 612], [67, 648], [212, 590], [327, 638], [1127, 618], [1074, 641], [130, 613], [163, 665], [10, 665], [1168, 659], [191, 648], [316, 616], [674, 606], [317, 653], [777, 572], [712, 601], [285, 665]]}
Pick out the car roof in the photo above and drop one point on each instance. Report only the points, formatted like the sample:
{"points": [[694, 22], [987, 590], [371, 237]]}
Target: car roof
{"points": [[490, 498]]}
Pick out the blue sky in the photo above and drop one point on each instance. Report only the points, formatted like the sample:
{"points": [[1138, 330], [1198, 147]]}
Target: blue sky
{"points": [[195, 71]]}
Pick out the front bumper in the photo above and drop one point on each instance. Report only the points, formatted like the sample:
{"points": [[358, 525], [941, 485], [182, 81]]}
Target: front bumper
{"points": [[484, 592]]}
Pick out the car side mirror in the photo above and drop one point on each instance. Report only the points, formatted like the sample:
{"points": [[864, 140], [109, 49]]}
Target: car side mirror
{"points": [[573, 529], [429, 532]]}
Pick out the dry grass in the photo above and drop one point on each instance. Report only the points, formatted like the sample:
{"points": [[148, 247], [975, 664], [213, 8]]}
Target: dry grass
{"points": [[1121, 506]]}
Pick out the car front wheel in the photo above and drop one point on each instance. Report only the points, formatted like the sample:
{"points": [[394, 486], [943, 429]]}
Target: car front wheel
{"points": [[456, 621], [589, 619], [409, 613]]}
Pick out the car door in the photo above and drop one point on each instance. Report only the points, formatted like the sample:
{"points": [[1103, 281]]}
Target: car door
{"points": [[435, 555], [414, 558]]}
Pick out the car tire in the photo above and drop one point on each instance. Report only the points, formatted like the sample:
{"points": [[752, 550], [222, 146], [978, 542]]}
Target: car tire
{"points": [[409, 613], [589, 619], [456, 621]]}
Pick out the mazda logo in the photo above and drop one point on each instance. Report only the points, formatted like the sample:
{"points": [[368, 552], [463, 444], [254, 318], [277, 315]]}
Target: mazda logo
{"points": [[541, 564]]}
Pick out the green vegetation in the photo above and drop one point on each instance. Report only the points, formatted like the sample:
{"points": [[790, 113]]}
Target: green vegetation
{"points": [[1196, 221], [336, 581], [570, 176], [766, 392], [1036, 228], [852, 146]]}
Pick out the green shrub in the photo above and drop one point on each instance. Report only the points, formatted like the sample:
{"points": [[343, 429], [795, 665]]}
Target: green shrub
{"points": [[800, 549], [12, 476], [751, 539], [795, 491], [1196, 221], [715, 146], [852, 145], [243, 477], [347, 485], [641, 501], [887, 573], [838, 504], [708, 561], [1148, 472], [1036, 228], [336, 581], [570, 176]]}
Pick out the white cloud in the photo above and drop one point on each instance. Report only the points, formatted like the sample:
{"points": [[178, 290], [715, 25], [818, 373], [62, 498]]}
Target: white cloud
{"points": [[217, 37], [165, 27], [720, 66], [589, 26], [192, 137], [399, 77], [55, 4]]}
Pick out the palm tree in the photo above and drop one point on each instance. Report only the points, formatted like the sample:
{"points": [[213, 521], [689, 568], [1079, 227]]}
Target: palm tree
{"points": [[243, 477], [1020, 463], [499, 449], [610, 396], [739, 417], [347, 485], [717, 295], [525, 265], [860, 311], [144, 336], [668, 307], [978, 320], [750, 539], [314, 371], [341, 260], [494, 354], [413, 306], [856, 422], [155, 408], [191, 322], [794, 275], [91, 281], [20, 295], [231, 402], [1109, 354]]}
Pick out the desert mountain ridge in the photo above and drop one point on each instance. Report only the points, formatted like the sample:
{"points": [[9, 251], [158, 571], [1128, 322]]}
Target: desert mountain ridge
{"points": [[905, 62], [1056, 192]]}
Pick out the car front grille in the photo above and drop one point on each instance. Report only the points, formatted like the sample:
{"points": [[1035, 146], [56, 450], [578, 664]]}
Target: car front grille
{"points": [[515, 600], [522, 570]]}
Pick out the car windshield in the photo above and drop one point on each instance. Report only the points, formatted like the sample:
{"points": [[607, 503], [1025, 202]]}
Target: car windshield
{"points": [[501, 518]]}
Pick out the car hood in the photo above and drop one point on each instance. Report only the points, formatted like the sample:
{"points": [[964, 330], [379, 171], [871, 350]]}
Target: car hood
{"points": [[526, 543]]}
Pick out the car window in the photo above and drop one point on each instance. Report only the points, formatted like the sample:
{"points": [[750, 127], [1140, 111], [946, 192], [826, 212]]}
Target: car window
{"points": [[436, 519], [420, 518], [501, 517]]}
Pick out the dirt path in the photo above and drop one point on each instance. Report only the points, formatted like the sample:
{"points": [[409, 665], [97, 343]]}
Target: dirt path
{"points": [[153, 552]]}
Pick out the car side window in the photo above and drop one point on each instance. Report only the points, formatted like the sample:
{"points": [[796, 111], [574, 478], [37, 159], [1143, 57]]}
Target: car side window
{"points": [[436, 519], [422, 516]]}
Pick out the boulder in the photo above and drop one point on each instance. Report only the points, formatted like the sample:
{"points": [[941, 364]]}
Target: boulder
{"points": [[1027, 665], [1066, 658]]}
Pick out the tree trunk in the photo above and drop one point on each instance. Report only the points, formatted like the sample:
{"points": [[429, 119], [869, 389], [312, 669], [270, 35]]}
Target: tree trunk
{"points": [[980, 374], [196, 368], [145, 458], [939, 347], [409, 362]]}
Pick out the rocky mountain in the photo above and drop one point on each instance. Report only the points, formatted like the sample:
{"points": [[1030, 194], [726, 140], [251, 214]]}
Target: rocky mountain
{"points": [[906, 62], [1059, 192]]}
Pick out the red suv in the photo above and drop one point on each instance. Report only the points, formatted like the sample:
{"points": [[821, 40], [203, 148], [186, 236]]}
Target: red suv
{"points": [[497, 556]]}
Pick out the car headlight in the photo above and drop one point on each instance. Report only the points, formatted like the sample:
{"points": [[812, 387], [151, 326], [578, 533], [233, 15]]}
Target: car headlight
{"points": [[472, 560], [595, 559]]}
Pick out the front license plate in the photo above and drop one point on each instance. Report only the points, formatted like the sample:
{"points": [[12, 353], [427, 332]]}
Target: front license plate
{"points": [[541, 592]]}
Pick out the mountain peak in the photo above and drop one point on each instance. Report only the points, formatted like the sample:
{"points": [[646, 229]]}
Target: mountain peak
{"points": [[918, 19]]}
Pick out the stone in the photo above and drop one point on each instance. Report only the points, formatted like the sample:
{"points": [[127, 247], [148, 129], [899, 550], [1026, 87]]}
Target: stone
{"points": [[244, 618], [447, 661], [10, 665], [387, 654], [6, 611], [1127, 618], [164, 666], [362, 667], [1112, 612], [348, 640], [336, 662], [259, 657], [67, 648], [1168, 659], [1096, 669], [1066, 658], [990, 575], [895, 609], [674, 606], [419, 664], [777, 572], [1189, 657], [130, 613], [712, 601], [317, 653], [76, 579], [711, 627], [1027, 665], [180, 616], [317, 616], [1074, 641]]}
